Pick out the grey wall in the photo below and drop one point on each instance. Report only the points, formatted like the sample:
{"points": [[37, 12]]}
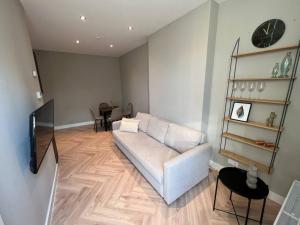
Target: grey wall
{"points": [[239, 19], [77, 82], [24, 197], [178, 67], [135, 79]]}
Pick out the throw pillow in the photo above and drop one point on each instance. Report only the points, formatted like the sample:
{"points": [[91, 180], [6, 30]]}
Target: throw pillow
{"points": [[129, 125]]}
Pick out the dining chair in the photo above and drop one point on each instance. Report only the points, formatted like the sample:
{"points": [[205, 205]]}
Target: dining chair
{"points": [[116, 114], [97, 119], [101, 106], [128, 111]]}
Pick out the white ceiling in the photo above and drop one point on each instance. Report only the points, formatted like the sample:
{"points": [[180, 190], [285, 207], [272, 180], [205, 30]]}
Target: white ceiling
{"points": [[55, 24]]}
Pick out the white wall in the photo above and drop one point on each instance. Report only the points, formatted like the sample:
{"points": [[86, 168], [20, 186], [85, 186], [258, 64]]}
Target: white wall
{"points": [[24, 197], [177, 67], [134, 71], [239, 19]]}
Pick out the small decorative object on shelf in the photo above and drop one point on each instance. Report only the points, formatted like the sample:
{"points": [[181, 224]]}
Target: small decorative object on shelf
{"points": [[260, 142], [270, 119], [275, 70], [286, 65], [269, 145], [241, 111], [266, 144], [252, 177]]}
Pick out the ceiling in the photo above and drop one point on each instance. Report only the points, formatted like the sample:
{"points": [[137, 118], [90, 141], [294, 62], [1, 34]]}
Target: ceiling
{"points": [[55, 24]]}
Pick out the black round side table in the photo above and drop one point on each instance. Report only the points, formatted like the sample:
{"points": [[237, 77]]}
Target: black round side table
{"points": [[235, 180]]}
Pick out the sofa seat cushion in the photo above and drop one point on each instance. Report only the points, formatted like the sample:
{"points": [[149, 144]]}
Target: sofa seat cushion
{"points": [[150, 153], [157, 129], [182, 138]]}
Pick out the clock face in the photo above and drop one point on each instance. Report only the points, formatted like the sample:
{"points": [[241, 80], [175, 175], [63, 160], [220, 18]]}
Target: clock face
{"points": [[268, 33]]}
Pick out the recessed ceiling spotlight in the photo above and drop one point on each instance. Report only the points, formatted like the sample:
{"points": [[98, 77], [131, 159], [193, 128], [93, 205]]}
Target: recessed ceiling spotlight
{"points": [[83, 18], [77, 41], [130, 28], [111, 45]]}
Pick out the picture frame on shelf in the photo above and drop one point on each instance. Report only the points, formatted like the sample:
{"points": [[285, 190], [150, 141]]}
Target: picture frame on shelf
{"points": [[241, 111]]}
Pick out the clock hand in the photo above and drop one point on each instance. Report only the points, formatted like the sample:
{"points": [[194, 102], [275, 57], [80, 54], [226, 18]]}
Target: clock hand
{"points": [[274, 26], [267, 31]]}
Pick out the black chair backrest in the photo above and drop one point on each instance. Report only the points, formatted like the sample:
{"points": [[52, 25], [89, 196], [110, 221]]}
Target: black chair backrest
{"points": [[102, 106]]}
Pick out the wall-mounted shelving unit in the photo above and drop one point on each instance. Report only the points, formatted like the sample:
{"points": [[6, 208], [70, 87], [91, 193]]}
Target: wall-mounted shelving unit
{"points": [[229, 99]]}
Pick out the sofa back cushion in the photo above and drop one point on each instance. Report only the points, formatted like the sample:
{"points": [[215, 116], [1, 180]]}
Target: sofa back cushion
{"points": [[183, 138], [144, 119], [129, 125], [157, 129]]}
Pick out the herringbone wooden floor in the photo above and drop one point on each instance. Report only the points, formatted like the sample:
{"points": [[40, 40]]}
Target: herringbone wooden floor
{"points": [[97, 185]]}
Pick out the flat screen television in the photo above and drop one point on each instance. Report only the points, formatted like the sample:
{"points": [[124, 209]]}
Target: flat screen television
{"points": [[41, 133]]}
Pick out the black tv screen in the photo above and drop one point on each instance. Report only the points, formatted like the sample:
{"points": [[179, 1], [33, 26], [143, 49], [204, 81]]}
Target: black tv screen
{"points": [[41, 133]]}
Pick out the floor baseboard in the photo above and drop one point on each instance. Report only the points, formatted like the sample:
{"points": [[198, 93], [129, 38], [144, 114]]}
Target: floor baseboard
{"points": [[51, 200], [73, 125], [272, 195]]}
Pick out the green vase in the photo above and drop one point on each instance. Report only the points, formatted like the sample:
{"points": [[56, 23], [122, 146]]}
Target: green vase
{"points": [[275, 70], [286, 65]]}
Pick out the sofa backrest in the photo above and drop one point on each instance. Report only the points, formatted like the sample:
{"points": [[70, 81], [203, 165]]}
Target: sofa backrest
{"points": [[178, 137], [144, 121], [182, 138], [157, 129]]}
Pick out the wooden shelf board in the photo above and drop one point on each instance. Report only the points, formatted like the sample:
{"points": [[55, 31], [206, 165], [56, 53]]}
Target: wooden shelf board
{"points": [[266, 101], [255, 124], [246, 141], [265, 51], [244, 160], [263, 79]]}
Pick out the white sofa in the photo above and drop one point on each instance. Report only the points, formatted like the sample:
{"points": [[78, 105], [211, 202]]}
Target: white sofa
{"points": [[172, 158]]}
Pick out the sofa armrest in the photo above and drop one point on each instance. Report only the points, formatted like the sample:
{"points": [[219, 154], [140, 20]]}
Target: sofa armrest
{"points": [[116, 125], [185, 171]]}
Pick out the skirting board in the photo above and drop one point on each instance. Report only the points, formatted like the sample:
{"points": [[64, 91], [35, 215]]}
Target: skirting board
{"points": [[51, 200], [272, 195], [73, 125]]}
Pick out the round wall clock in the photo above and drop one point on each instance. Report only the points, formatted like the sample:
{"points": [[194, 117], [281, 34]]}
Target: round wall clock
{"points": [[268, 33]]}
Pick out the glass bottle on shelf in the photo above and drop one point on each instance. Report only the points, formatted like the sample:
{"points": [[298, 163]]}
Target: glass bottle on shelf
{"points": [[286, 65], [275, 70]]}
